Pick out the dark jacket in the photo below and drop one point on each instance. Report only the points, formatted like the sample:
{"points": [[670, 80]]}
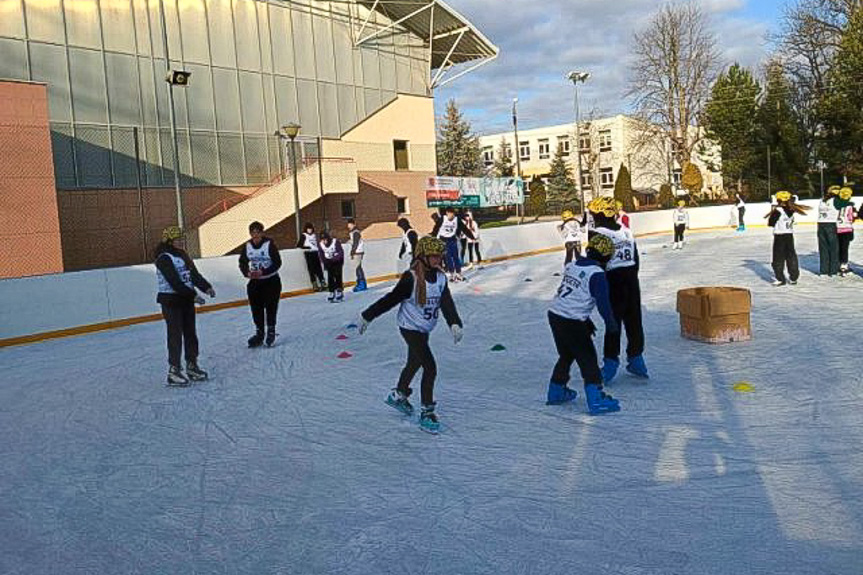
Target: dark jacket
{"points": [[774, 215], [184, 294], [339, 259], [403, 290], [275, 257], [412, 238], [462, 228]]}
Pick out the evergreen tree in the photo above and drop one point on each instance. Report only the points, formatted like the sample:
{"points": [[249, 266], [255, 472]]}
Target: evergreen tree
{"points": [[623, 189], [536, 201], [560, 193], [730, 118], [502, 167], [458, 151], [691, 179], [841, 107], [780, 134], [666, 196]]}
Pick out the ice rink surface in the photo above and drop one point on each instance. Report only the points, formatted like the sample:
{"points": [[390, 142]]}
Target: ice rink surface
{"points": [[287, 461]]}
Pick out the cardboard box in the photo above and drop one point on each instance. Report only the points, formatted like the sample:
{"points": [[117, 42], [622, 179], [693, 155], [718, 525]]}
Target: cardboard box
{"points": [[715, 314]]}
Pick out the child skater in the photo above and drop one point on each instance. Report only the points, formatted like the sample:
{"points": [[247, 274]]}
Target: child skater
{"points": [[781, 219], [308, 242], [680, 217], [333, 259], [358, 250], [409, 243], [421, 293], [260, 262], [624, 291], [584, 287], [845, 228], [178, 277], [570, 231], [828, 242]]}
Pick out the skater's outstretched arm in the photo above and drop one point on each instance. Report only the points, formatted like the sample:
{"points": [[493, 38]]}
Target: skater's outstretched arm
{"points": [[197, 279], [599, 291], [398, 294], [447, 306]]}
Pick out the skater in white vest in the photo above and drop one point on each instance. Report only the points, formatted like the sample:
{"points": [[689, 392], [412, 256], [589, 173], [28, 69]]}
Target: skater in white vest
{"points": [[409, 243], [177, 279], [333, 259], [308, 242], [828, 241], [422, 294], [357, 252], [680, 219], [571, 232], [781, 219], [845, 228], [260, 262]]}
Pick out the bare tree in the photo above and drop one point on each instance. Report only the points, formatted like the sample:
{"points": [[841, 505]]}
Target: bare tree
{"points": [[675, 63]]}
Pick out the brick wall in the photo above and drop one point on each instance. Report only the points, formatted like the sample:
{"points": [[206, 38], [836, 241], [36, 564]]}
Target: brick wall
{"points": [[29, 226]]}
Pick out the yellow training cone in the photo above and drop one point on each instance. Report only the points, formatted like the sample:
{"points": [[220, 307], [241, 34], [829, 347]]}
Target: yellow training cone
{"points": [[743, 387]]}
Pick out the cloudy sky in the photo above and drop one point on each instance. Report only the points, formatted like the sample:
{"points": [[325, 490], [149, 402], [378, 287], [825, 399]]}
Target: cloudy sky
{"points": [[540, 40]]}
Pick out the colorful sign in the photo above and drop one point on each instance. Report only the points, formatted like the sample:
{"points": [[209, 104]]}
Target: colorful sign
{"points": [[444, 191]]}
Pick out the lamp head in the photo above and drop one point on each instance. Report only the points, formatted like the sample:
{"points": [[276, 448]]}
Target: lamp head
{"points": [[292, 130], [576, 77]]}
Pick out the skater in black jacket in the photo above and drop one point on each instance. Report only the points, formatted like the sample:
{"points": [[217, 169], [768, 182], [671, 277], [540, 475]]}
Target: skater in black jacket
{"points": [[178, 277], [308, 242], [409, 244], [421, 293], [260, 262]]}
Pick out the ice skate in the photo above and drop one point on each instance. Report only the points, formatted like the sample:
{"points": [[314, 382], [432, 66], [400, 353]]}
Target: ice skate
{"points": [[609, 369], [637, 367], [428, 420], [176, 377], [332, 297], [777, 283], [361, 286], [559, 393], [194, 371], [400, 401], [340, 296], [271, 336], [598, 401], [256, 340]]}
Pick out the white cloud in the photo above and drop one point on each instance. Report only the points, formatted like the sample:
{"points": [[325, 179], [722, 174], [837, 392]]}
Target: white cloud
{"points": [[541, 41]]}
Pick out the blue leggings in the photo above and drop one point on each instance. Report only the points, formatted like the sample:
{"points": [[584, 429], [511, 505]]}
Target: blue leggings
{"points": [[451, 257]]}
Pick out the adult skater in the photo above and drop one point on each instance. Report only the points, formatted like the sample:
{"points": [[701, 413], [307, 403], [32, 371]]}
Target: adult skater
{"points": [[571, 232], [421, 293], [448, 229], [178, 277], [828, 241], [409, 242], [741, 211], [781, 219], [680, 218], [583, 288], [333, 259], [473, 241], [357, 252], [624, 292], [308, 242], [845, 228], [260, 262]]}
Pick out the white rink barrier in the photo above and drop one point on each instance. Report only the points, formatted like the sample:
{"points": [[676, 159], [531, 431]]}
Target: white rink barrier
{"points": [[58, 305]]}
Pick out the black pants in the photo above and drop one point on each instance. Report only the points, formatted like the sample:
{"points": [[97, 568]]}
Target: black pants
{"points": [[574, 342], [740, 213], [264, 298], [180, 321], [625, 294], [572, 250], [678, 232], [334, 276], [463, 242], [844, 243], [471, 248], [313, 263], [784, 255], [419, 356], [828, 248]]}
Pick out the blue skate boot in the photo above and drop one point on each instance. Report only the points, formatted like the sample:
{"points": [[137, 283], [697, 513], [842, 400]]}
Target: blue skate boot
{"points": [[559, 394], [428, 419], [598, 401], [361, 286], [400, 401], [609, 369], [637, 367]]}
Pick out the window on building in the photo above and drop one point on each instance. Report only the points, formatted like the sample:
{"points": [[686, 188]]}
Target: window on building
{"points": [[507, 150], [586, 180], [400, 151], [488, 155], [605, 141], [676, 176], [524, 151], [606, 177], [584, 142], [349, 209], [544, 149], [402, 205], [563, 144]]}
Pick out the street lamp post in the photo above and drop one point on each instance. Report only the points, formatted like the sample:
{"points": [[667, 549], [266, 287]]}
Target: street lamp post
{"points": [[517, 150], [577, 77], [173, 118], [292, 130], [821, 166]]}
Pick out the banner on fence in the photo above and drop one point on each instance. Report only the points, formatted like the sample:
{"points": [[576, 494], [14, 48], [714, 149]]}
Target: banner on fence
{"points": [[445, 191]]}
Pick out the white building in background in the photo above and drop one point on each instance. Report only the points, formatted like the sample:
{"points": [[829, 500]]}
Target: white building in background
{"points": [[606, 144]]}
